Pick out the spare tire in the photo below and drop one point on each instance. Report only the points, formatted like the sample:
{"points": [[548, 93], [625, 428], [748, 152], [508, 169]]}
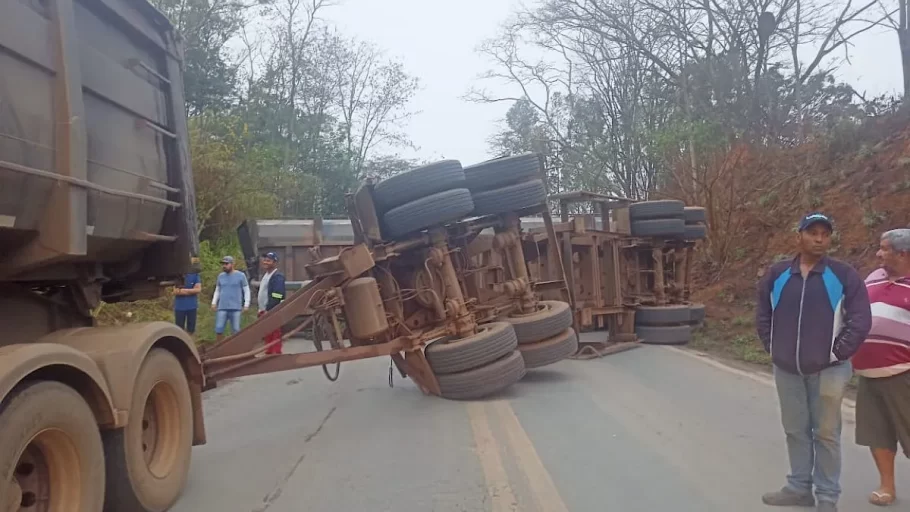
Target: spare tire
{"points": [[417, 183], [551, 318], [551, 350], [451, 355], [502, 171], [694, 214], [664, 335], [483, 381], [666, 208], [662, 315], [673, 228], [428, 211], [509, 199]]}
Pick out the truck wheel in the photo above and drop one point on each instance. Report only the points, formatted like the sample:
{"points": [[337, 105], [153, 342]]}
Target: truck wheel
{"points": [[451, 355], [483, 381], [694, 214], [502, 171], [428, 211], [646, 210], [697, 313], [662, 315], [509, 199], [50, 451], [418, 182], [551, 318], [149, 459], [659, 227], [551, 350], [664, 335], [695, 232]]}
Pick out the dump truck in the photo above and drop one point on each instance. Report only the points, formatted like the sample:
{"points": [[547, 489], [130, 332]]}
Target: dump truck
{"points": [[96, 205]]}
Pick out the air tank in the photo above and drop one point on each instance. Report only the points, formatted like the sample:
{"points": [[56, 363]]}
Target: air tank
{"points": [[363, 309]]}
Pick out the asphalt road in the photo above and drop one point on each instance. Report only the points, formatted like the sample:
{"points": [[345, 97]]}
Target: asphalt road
{"points": [[652, 429]]}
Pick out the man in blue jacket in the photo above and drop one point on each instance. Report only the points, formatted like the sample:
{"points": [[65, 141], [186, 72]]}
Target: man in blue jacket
{"points": [[271, 293], [812, 315]]}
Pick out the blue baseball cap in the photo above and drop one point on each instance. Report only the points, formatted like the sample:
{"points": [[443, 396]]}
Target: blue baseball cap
{"points": [[271, 255], [814, 218]]}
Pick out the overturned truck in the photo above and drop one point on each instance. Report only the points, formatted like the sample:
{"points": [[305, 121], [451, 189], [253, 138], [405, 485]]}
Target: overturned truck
{"points": [[402, 283]]}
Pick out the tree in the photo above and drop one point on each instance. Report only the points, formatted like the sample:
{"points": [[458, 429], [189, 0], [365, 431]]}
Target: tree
{"points": [[207, 26], [373, 95], [235, 175]]}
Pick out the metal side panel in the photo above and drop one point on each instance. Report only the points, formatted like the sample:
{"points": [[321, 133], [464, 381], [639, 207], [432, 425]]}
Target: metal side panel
{"points": [[94, 158]]}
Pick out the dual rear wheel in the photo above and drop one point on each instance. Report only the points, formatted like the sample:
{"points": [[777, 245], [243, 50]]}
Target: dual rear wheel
{"points": [[53, 458]]}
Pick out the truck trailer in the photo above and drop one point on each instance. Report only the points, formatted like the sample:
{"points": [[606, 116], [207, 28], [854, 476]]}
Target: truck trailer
{"points": [[96, 204]]}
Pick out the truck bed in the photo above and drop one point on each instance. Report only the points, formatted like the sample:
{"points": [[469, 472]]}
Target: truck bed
{"points": [[93, 141]]}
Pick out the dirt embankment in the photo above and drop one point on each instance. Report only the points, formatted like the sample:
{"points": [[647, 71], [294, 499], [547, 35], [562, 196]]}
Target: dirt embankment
{"points": [[860, 177]]}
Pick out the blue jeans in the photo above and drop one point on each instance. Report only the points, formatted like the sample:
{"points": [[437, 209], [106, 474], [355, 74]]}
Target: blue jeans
{"points": [[186, 319], [810, 407], [222, 316]]}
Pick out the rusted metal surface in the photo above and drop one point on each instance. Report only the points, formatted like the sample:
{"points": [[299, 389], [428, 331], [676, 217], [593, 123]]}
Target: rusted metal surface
{"points": [[591, 258], [442, 282]]}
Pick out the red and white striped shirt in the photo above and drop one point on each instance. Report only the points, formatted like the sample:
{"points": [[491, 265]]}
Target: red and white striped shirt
{"points": [[886, 351]]}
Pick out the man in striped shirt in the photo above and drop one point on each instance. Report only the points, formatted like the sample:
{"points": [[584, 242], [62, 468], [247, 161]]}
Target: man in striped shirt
{"points": [[883, 363]]}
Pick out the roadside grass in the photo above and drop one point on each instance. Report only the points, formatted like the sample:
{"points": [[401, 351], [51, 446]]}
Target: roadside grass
{"points": [[163, 310], [731, 339]]}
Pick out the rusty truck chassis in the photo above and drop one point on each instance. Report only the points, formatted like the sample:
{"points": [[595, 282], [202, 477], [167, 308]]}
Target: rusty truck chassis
{"points": [[431, 309]]}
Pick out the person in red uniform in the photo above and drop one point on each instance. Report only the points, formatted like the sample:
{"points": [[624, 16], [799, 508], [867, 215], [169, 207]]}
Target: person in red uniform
{"points": [[883, 363], [271, 293]]}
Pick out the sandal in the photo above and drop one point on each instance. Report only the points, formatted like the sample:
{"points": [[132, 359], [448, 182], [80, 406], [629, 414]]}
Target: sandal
{"points": [[881, 498]]}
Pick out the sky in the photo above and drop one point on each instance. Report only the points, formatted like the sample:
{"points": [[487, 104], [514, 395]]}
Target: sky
{"points": [[436, 41]]}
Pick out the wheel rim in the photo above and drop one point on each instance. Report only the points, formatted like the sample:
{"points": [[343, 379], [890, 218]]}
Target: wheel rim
{"points": [[48, 477], [161, 430]]}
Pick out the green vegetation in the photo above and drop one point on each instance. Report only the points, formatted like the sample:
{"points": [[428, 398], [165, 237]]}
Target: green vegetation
{"points": [[162, 309], [733, 340]]}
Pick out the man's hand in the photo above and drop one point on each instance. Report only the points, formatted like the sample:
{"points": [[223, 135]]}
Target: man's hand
{"points": [[214, 307], [245, 309]]}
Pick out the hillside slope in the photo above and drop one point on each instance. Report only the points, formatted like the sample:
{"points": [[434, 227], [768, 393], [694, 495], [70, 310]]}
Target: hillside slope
{"points": [[860, 178]]}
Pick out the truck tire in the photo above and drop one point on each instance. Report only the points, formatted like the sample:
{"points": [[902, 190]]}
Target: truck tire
{"points": [[149, 459], [664, 335], [694, 214], [663, 315], [418, 182], [695, 232], [510, 198], [428, 211], [659, 227], [51, 434], [502, 171], [663, 209], [551, 318], [551, 350], [696, 313], [492, 341], [485, 380]]}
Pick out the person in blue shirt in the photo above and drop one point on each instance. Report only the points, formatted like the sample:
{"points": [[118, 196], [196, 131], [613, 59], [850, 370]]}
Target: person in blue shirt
{"points": [[186, 301], [232, 295]]}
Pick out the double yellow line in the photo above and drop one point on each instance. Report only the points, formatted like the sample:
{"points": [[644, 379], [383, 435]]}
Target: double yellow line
{"points": [[501, 490]]}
